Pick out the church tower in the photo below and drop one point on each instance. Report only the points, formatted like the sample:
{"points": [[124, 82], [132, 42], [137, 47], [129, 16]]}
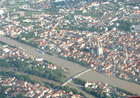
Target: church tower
{"points": [[100, 49]]}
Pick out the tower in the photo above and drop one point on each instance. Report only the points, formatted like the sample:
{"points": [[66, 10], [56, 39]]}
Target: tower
{"points": [[100, 49]]}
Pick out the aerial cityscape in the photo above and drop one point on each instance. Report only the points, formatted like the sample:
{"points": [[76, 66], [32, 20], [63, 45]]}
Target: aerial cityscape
{"points": [[69, 48]]}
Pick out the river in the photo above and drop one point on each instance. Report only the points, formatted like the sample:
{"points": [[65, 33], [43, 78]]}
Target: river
{"points": [[74, 68]]}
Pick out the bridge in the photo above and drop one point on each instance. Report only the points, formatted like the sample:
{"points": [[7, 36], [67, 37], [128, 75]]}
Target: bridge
{"points": [[76, 76]]}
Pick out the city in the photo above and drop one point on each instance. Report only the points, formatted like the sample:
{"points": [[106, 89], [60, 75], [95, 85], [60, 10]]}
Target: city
{"points": [[69, 48]]}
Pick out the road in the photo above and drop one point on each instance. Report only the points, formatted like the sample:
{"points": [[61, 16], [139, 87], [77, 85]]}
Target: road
{"points": [[74, 68]]}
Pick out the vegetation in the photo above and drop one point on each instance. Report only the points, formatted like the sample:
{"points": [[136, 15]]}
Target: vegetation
{"points": [[82, 28], [50, 74], [28, 66], [124, 25], [3, 95], [68, 89], [95, 93], [103, 95], [79, 81], [75, 60], [19, 77], [2, 89]]}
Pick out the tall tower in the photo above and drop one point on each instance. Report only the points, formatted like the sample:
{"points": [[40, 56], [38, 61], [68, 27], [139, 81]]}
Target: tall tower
{"points": [[100, 49], [126, 56]]}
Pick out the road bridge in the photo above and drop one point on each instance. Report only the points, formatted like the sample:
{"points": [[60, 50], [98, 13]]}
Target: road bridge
{"points": [[76, 76]]}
